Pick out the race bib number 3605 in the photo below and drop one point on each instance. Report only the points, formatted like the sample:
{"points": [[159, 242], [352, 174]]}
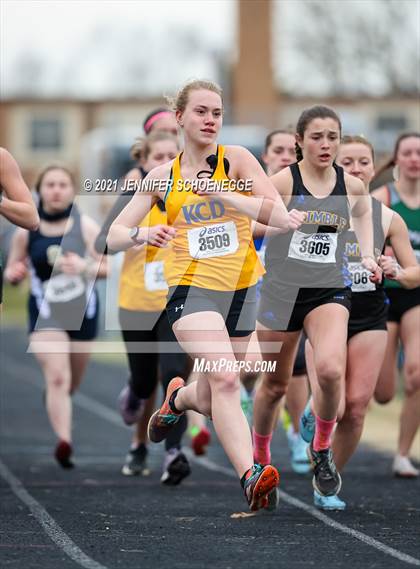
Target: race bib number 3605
{"points": [[313, 247], [214, 240]]}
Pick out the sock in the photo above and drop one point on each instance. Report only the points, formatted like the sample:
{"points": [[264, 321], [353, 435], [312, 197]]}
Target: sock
{"points": [[323, 432], [171, 402], [262, 443]]}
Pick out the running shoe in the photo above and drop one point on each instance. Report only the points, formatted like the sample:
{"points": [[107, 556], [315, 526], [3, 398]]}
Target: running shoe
{"points": [[273, 500], [257, 487], [164, 419], [136, 462], [326, 480], [298, 452], [62, 454], [402, 467], [247, 403], [329, 503], [175, 467], [130, 406], [307, 424], [200, 441]]}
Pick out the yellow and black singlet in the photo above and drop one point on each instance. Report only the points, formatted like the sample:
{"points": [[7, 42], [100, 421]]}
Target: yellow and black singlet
{"points": [[143, 285], [213, 247]]}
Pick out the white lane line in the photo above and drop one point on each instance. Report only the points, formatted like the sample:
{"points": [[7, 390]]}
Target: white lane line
{"points": [[108, 414], [214, 467], [50, 526]]}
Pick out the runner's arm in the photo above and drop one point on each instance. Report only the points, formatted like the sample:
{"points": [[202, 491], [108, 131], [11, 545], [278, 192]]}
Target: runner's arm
{"points": [[361, 214], [98, 267], [16, 269], [142, 202], [264, 204], [100, 241], [16, 204]]}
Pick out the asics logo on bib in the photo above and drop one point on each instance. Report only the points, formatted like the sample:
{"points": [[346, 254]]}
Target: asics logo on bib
{"points": [[203, 211], [212, 230]]}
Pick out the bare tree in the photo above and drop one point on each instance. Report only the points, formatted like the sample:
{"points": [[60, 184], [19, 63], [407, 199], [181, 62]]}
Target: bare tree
{"points": [[356, 47]]}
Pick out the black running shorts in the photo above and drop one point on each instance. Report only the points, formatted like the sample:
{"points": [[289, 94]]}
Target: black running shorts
{"points": [[285, 316], [238, 308]]}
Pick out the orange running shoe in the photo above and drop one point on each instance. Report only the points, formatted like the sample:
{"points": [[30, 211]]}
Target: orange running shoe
{"points": [[162, 420], [200, 441], [259, 484]]}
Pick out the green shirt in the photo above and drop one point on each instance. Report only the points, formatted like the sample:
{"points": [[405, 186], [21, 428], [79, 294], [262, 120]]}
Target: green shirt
{"points": [[412, 219]]}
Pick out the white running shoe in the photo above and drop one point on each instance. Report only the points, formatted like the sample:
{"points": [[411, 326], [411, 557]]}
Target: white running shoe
{"points": [[403, 467]]}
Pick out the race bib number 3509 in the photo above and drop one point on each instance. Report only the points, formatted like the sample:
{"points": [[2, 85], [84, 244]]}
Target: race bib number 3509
{"points": [[214, 240], [313, 247]]}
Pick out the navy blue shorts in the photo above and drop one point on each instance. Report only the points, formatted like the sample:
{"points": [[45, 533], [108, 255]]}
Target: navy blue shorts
{"points": [[77, 320]]}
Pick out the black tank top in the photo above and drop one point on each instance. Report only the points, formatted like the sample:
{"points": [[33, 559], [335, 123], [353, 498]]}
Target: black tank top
{"points": [[47, 281], [311, 257], [43, 250], [361, 285]]}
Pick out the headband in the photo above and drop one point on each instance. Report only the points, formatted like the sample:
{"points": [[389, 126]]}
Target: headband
{"points": [[153, 119]]}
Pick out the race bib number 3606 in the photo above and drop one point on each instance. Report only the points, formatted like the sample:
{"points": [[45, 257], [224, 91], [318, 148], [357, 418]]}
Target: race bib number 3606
{"points": [[360, 278], [313, 247], [214, 240]]}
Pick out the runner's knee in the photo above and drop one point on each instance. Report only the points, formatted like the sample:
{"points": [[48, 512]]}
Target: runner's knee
{"points": [[227, 382], [355, 411], [273, 388], [412, 376], [329, 372], [59, 380]]}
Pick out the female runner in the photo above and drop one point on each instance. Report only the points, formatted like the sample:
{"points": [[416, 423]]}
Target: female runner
{"points": [[213, 273], [142, 299], [367, 336], [305, 288], [63, 306], [403, 197]]}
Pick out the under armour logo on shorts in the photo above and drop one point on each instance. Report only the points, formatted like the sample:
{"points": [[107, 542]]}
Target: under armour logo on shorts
{"points": [[179, 308]]}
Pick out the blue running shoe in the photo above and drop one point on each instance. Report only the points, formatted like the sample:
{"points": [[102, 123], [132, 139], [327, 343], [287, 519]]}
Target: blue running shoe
{"points": [[307, 424], [298, 452], [329, 503]]}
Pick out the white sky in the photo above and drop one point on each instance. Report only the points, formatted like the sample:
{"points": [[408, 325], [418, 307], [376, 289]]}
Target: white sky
{"points": [[84, 45], [55, 30]]}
